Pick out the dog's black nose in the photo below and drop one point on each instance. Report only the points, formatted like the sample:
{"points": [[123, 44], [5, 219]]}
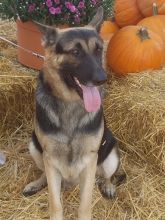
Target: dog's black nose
{"points": [[99, 77], [99, 82]]}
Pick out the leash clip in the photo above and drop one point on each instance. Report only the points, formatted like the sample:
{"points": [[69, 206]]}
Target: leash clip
{"points": [[22, 48]]}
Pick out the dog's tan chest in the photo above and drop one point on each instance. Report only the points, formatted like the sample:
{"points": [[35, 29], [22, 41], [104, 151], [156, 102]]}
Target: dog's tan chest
{"points": [[71, 158]]}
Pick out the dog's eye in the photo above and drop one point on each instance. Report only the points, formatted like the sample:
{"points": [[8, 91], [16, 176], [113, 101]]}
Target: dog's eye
{"points": [[98, 49], [75, 52]]}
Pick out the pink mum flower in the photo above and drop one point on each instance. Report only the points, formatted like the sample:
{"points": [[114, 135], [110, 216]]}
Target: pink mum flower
{"points": [[72, 8], [68, 5], [94, 2], [58, 10], [81, 5], [31, 8], [49, 3], [52, 10], [55, 11], [57, 1]]}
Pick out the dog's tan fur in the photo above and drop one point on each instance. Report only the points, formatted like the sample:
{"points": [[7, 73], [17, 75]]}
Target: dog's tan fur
{"points": [[84, 171], [57, 85]]}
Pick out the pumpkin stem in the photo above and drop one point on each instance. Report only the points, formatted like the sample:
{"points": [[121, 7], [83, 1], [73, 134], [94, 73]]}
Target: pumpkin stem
{"points": [[154, 9], [143, 34]]}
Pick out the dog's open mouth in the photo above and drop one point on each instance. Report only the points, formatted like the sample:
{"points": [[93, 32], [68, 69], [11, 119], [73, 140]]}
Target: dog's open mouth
{"points": [[91, 96]]}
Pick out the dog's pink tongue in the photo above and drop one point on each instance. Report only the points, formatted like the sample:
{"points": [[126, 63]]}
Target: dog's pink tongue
{"points": [[91, 97]]}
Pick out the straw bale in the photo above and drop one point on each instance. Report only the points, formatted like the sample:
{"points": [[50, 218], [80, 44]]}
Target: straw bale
{"points": [[16, 95], [134, 110]]}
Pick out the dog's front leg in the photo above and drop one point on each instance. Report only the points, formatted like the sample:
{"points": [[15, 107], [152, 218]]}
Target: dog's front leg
{"points": [[87, 179], [54, 188]]}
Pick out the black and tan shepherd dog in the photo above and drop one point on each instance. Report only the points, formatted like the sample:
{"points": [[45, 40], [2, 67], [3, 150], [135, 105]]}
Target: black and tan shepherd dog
{"points": [[71, 142]]}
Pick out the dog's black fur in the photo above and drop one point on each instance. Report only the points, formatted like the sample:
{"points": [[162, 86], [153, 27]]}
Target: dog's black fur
{"points": [[47, 126]]}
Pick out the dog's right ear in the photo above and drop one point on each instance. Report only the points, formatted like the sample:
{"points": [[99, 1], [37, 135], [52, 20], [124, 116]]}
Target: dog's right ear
{"points": [[49, 34]]}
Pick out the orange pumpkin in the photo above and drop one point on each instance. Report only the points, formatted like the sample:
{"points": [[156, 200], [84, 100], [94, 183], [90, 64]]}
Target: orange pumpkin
{"points": [[108, 28], [155, 23], [145, 6], [126, 12], [134, 49]]}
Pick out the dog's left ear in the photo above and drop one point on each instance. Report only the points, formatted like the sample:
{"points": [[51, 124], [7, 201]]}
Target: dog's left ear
{"points": [[97, 19], [49, 34]]}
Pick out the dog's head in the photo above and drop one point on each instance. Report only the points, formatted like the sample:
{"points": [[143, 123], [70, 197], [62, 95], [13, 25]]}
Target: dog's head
{"points": [[76, 54]]}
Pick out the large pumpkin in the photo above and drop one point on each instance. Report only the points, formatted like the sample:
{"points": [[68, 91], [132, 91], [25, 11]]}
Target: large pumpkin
{"points": [[145, 6], [134, 49], [126, 12], [108, 28], [155, 23]]}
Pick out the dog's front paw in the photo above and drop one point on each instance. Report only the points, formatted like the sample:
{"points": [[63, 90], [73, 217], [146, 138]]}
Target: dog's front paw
{"points": [[30, 190], [107, 189], [35, 186]]}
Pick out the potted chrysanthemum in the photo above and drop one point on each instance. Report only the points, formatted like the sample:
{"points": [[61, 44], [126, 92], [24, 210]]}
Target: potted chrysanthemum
{"points": [[49, 12]]}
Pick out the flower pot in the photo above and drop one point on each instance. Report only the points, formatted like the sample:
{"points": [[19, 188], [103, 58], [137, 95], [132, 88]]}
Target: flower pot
{"points": [[29, 37]]}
